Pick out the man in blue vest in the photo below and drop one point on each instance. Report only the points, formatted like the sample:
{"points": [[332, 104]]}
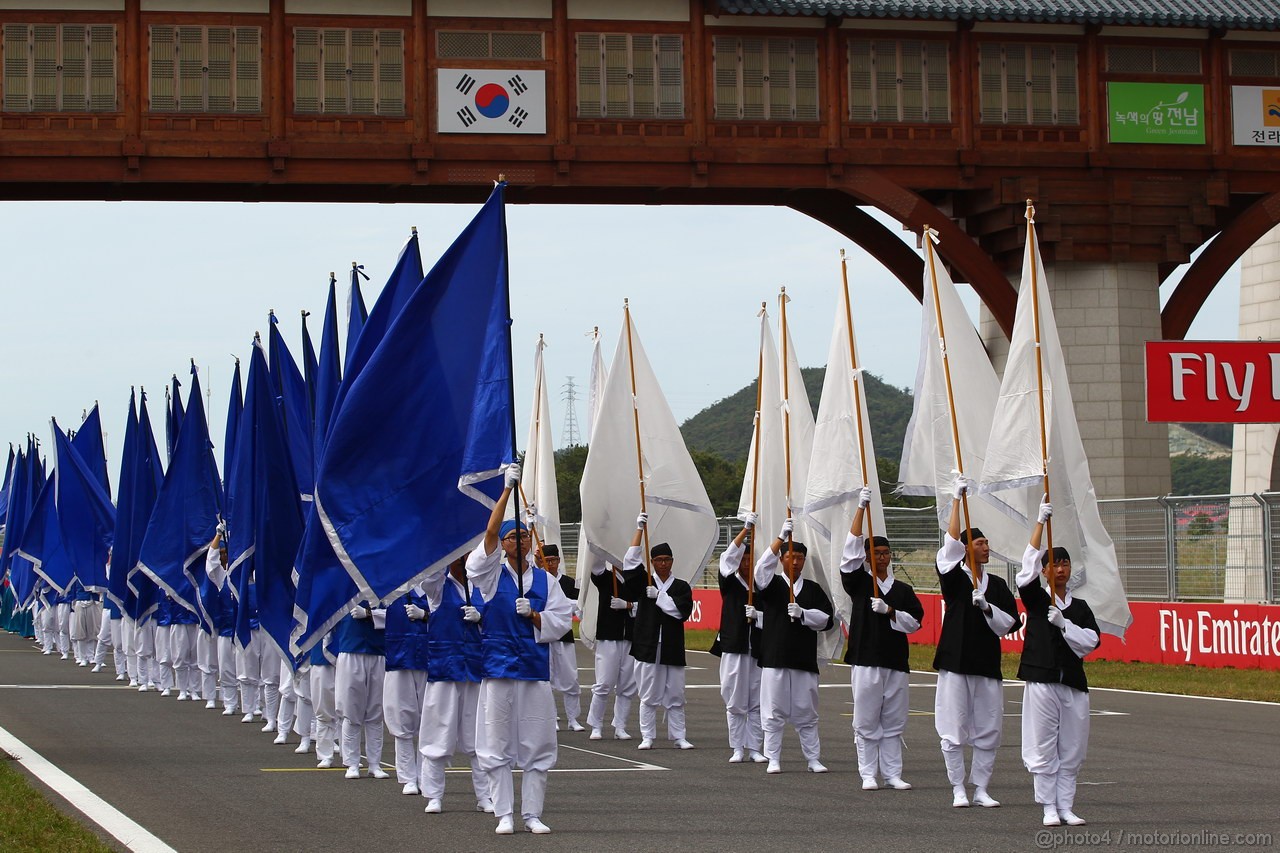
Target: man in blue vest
{"points": [[523, 611], [404, 683]]}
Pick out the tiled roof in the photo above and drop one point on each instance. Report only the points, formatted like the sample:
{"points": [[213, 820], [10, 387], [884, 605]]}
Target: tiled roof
{"points": [[1227, 14]]}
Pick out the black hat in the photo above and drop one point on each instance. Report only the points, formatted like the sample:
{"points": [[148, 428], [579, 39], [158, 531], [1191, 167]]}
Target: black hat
{"points": [[973, 534], [551, 550], [662, 549]]}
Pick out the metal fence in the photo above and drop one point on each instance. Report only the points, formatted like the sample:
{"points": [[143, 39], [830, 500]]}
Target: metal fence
{"points": [[1192, 548]]}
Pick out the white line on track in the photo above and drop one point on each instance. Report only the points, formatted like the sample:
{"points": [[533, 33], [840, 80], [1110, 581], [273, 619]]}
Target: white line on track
{"points": [[105, 815], [67, 687]]}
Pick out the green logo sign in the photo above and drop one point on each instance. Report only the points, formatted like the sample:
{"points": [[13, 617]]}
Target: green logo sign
{"points": [[1167, 113]]}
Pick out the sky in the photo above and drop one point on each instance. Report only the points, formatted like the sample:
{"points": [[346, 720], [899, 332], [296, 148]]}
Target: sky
{"points": [[102, 296]]}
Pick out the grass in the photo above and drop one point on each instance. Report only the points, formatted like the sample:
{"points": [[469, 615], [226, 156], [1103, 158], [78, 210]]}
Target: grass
{"points": [[1225, 683], [30, 824]]}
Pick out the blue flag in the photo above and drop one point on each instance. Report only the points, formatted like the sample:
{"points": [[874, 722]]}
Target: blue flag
{"points": [[290, 391], [41, 545], [85, 516], [133, 515], [328, 371], [117, 589], [4, 490], [173, 416], [89, 443], [419, 439], [267, 521], [235, 404], [186, 511], [309, 368], [356, 312], [21, 576]]}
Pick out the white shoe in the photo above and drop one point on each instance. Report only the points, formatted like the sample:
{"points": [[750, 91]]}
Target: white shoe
{"points": [[142, 688], [64, 655], [537, 827], [1070, 818], [184, 696], [505, 826], [378, 773], [1051, 817], [982, 798], [82, 663], [47, 652], [737, 756], [681, 743], [575, 726], [898, 784], [247, 718], [210, 705], [304, 747], [758, 758], [485, 805], [775, 766], [121, 677], [166, 692], [269, 727], [229, 711], [557, 725], [816, 766], [869, 784], [282, 737], [621, 734], [434, 806], [353, 773], [133, 682], [596, 734], [151, 685], [645, 743], [257, 712], [97, 667], [959, 799], [410, 789], [325, 762]]}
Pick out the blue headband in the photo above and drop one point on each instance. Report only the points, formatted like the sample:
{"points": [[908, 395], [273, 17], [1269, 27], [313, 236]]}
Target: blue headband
{"points": [[510, 526]]}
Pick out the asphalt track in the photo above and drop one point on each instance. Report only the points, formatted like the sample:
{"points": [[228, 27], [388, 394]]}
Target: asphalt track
{"points": [[1162, 773]]}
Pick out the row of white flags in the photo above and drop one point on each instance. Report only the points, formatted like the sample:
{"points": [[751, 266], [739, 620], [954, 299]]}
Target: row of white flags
{"points": [[816, 467]]}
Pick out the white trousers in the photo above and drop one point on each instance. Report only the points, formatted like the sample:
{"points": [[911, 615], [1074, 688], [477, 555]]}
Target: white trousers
{"points": [[249, 672], [564, 677], [616, 674], [324, 705], [661, 686], [271, 667], [448, 726], [402, 694], [968, 710], [740, 690], [789, 695], [879, 719], [164, 658], [207, 665], [304, 715], [228, 681], [287, 695], [1055, 738], [358, 698], [62, 628], [182, 651], [516, 728]]}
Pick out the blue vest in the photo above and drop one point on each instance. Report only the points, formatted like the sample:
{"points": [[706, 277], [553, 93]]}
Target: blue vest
{"points": [[317, 655], [406, 638], [454, 645], [179, 615], [358, 637], [510, 650], [164, 611]]}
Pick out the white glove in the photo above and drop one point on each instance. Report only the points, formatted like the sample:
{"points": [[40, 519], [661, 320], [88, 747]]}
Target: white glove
{"points": [[652, 592], [530, 515], [522, 607], [795, 611], [616, 603], [642, 521], [980, 601], [414, 612], [358, 612], [511, 478], [1056, 619], [864, 497], [785, 533], [1046, 512], [750, 519], [960, 487], [222, 529], [470, 614], [577, 612], [878, 605], [750, 611]]}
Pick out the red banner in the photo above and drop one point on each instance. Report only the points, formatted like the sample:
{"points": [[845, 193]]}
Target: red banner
{"points": [[1243, 636], [1213, 381]]}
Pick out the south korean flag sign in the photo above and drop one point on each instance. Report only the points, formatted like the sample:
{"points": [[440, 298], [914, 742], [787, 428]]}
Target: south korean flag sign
{"points": [[474, 100]]}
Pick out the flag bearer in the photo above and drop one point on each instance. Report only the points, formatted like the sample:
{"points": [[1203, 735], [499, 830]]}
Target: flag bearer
{"points": [[523, 612], [879, 623], [404, 684], [564, 654], [738, 645], [360, 640], [1055, 707], [969, 703], [615, 668]]}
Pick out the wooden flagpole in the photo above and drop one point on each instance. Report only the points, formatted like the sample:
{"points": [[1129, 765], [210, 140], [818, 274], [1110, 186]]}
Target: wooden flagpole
{"points": [[929, 236], [635, 413], [786, 428], [857, 407], [537, 456], [1033, 251], [755, 455]]}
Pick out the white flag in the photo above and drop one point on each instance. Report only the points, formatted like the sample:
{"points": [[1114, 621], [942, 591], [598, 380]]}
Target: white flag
{"points": [[1015, 458], [679, 510], [588, 598], [764, 485], [929, 462], [835, 466], [595, 385], [538, 474], [479, 100]]}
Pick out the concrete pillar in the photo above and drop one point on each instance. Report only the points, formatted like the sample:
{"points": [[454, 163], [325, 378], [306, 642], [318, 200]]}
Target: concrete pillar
{"points": [[1106, 312], [1254, 460]]}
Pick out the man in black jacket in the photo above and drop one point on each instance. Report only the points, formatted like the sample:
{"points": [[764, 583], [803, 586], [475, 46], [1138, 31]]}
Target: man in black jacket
{"points": [[795, 612], [1055, 706], [615, 667], [664, 602], [881, 617], [737, 644], [969, 703]]}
